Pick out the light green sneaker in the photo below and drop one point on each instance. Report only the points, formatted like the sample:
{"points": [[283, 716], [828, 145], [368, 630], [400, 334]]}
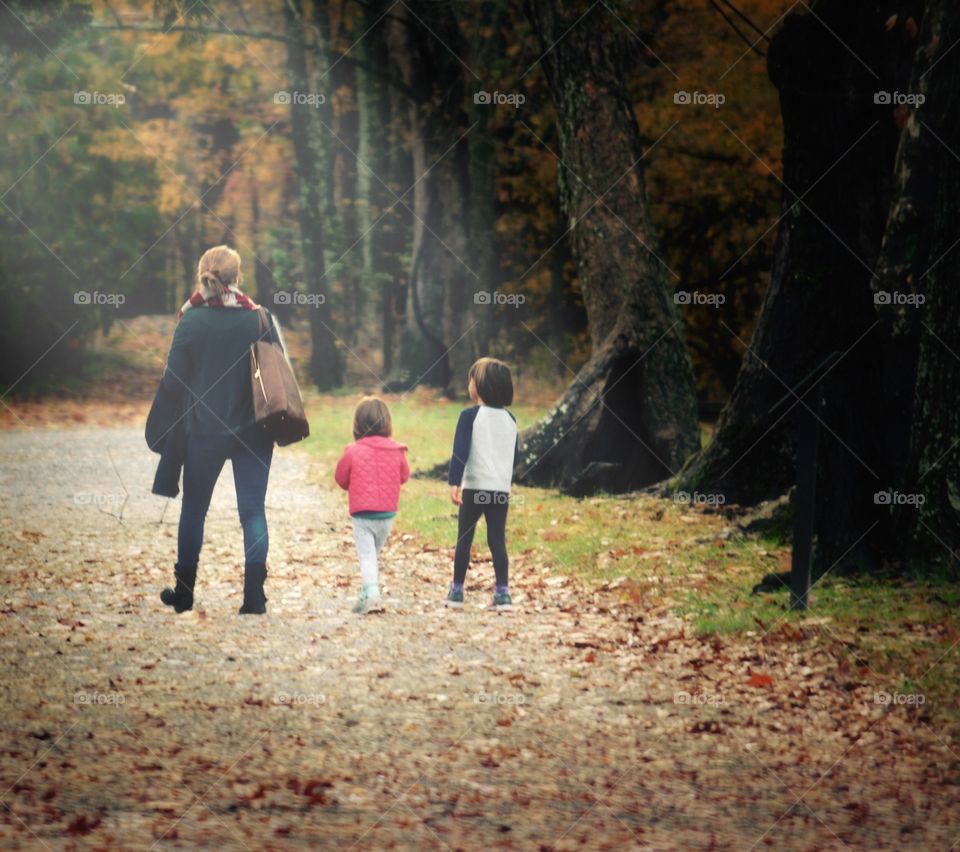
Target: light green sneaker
{"points": [[369, 601], [501, 603]]}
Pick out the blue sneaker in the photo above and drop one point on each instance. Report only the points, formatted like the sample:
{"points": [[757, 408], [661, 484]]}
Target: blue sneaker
{"points": [[501, 603], [454, 599]]}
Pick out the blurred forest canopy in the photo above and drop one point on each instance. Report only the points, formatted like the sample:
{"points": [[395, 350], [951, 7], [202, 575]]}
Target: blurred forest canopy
{"points": [[119, 199]]}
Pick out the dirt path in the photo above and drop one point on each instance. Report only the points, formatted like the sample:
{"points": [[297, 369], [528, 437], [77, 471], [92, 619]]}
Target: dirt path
{"points": [[565, 725]]}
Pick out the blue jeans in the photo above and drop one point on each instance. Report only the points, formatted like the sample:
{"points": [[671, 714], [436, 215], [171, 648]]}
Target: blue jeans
{"points": [[205, 457]]}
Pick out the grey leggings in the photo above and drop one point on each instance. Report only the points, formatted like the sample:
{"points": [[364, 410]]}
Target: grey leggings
{"points": [[370, 535]]}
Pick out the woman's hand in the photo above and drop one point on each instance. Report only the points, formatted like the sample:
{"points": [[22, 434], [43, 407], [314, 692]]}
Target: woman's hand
{"points": [[455, 497]]}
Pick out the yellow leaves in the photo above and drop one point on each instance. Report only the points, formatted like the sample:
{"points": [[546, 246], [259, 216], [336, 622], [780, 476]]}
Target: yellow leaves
{"points": [[117, 144]]}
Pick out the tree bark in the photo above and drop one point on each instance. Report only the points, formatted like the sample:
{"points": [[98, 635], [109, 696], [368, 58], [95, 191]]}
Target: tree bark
{"points": [[373, 125], [336, 141], [486, 48], [308, 147], [929, 264], [629, 418], [837, 166], [395, 236], [263, 279]]}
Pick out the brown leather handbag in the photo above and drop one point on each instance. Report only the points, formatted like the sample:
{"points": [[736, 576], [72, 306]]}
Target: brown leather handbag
{"points": [[277, 404]]}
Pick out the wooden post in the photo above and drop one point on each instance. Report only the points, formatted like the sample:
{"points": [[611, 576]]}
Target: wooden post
{"points": [[804, 500], [806, 436]]}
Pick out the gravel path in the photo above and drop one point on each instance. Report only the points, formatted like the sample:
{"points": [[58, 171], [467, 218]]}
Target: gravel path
{"points": [[564, 725]]}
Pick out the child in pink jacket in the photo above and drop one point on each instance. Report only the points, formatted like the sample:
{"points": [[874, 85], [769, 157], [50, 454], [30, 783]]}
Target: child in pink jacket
{"points": [[372, 470]]}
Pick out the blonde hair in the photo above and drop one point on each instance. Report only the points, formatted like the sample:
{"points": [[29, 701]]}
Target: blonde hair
{"points": [[372, 417], [218, 269]]}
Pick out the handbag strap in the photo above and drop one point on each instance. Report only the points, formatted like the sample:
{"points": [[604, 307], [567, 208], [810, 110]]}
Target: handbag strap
{"points": [[262, 313]]}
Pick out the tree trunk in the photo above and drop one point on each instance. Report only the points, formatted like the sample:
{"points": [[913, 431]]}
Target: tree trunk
{"points": [[395, 236], [325, 367], [481, 167], [325, 76], [337, 134], [558, 297], [629, 418], [373, 123], [264, 285], [837, 164], [930, 264]]}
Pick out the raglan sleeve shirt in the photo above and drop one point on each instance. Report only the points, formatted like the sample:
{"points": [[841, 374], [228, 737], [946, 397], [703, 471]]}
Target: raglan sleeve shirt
{"points": [[461, 445]]}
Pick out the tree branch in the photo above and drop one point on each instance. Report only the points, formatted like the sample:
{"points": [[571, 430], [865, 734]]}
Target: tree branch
{"points": [[736, 29]]}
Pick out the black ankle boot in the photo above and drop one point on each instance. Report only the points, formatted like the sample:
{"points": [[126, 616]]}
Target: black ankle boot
{"points": [[254, 600], [181, 599]]}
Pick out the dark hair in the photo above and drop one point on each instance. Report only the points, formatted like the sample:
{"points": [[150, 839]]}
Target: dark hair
{"points": [[493, 382], [372, 417]]}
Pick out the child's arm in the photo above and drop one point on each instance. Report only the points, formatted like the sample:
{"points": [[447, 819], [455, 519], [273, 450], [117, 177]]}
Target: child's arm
{"points": [[342, 473], [404, 468], [461, 452]]}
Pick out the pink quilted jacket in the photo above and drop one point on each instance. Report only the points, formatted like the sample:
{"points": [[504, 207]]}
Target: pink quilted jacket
{"points": [[372, 471]]}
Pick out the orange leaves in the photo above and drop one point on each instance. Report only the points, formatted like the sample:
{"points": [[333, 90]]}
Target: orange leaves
{"points": [[760, 681], [620, 552]]}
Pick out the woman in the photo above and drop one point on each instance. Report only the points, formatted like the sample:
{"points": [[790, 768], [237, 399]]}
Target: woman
{"points": [[209, 364]]}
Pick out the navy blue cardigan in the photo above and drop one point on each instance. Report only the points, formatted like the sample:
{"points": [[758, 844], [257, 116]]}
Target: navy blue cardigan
{"points": [[205, 387]]}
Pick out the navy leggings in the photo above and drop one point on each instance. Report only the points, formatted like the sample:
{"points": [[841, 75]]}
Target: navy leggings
{"points": [[491, 505], [206, 455]]}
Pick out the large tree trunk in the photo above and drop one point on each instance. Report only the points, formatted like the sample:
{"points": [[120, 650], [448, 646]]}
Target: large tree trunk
{"points": [[629, 418], [395, 235], [325, 77], [263, 278], [373, 124], [486, 50], [338, 135], [308, 147], [929, 264], [837, 164]]}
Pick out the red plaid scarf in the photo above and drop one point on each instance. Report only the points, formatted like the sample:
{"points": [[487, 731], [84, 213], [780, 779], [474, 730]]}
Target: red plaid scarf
{"points": [[229, 298]]}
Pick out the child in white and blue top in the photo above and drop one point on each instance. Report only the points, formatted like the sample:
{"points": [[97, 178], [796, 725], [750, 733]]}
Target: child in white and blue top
{"points": [[485, 452]]}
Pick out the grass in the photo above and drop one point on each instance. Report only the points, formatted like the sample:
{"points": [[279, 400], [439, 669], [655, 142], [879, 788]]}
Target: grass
{"points": [[663, 554]]}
